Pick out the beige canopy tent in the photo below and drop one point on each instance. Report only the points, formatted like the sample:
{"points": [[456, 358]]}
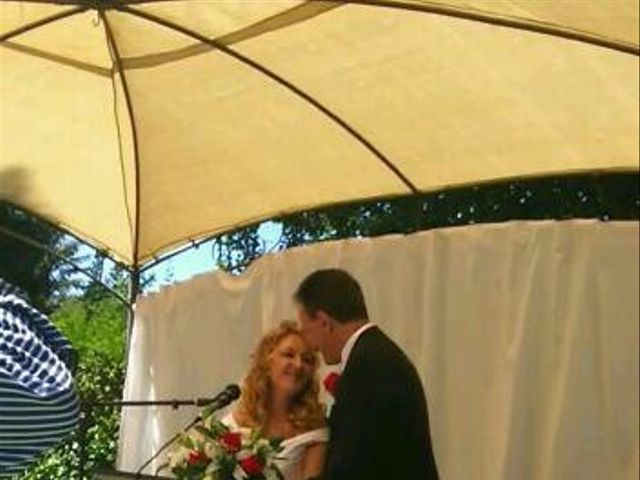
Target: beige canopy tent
{"points": [[141, 125]]}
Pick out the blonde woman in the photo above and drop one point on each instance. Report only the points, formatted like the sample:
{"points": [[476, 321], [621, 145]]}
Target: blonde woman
{"points": [[280, 398]]}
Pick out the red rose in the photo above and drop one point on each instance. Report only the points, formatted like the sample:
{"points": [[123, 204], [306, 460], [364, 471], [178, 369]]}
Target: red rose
{"points": [[196, 458], [231, 441], [252, 465], [331, 383]]}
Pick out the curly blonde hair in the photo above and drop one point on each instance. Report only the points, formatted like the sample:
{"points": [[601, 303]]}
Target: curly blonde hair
{"points": [[306, 411]]}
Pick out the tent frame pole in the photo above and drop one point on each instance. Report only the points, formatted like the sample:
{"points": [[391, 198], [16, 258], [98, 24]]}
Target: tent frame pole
{"points": [[134, 291]]}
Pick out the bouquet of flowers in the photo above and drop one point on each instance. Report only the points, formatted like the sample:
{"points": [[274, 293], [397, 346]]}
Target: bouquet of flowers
{"points": [[212, 451]]}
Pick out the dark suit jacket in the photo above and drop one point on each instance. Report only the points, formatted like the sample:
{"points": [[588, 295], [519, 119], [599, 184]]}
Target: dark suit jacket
{"points": [[379, 426]]}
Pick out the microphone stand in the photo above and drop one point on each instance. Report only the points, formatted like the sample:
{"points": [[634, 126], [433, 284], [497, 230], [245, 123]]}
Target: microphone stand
{"points": [[166, 445], [89, 406]]}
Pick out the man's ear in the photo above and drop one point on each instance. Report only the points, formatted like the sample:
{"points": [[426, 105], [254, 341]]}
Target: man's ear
{"points": [[326, 320]]}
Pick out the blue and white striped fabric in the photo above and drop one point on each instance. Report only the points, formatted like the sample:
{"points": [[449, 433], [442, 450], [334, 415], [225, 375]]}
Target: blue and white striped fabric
{"points": [[38, 403]]}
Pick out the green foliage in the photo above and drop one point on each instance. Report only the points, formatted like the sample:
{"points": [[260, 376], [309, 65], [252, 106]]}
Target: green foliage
{"points": [[602, 196], [101, 378], [43, 276], [95, 327], [98, 377], [236, 250], [92, 318], [607, 197]]}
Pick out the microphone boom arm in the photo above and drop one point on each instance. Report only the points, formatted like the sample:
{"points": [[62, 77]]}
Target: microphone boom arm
{"points": [[224, 398]]}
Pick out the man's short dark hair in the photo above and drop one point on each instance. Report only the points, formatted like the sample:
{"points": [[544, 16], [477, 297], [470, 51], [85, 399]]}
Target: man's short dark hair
{"points": [[335, 292]]}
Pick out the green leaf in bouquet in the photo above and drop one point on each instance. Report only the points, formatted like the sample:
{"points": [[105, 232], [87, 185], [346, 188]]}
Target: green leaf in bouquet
{"points": [[217, 428], [195, 472], [180, 471], [207, 412], [227, 464], [255, 436], [186, 441], [204, 431], [279, 474], [276, 443]]}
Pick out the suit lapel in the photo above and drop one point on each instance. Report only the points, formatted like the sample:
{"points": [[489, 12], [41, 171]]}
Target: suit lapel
{"points": [[344, 377]]}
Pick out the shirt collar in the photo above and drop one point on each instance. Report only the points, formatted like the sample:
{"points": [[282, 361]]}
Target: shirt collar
{"points": [[346, 350]]}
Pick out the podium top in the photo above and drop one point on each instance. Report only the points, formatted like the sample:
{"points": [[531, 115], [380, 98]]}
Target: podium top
{"points": [[109, 474]]}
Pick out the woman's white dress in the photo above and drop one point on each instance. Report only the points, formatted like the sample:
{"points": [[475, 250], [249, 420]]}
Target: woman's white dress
{"points": [[292, 448]]}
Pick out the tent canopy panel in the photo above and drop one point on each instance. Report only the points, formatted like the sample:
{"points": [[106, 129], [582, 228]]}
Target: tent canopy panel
{"points": [[15, 15], [60, 153], [238, 148], [449, 115], [614, 19], [306, 104]]}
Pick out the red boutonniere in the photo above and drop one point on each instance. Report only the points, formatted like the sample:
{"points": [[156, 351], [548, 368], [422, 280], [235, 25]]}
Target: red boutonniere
{"points": [[331, 383]]}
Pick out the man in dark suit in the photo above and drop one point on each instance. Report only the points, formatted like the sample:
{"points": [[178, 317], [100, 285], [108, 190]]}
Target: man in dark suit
{"points": [[379, 426]]}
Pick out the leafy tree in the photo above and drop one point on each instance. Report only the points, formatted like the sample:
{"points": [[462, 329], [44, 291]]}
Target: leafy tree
{"points": [[43, 276], [95, 327], [98, 377], [94, 321], [603, 196]]}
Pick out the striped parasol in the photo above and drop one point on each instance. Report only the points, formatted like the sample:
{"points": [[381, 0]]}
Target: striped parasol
{"points": [[38, 403]]}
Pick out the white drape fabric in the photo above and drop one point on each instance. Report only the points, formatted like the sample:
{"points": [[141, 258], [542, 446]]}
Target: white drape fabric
{"points": [[525, 335]]}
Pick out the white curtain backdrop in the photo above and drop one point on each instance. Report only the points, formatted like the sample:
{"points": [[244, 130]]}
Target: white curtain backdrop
{"points": [[525, 335]]}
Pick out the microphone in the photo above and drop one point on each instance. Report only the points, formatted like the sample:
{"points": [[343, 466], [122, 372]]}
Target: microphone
{"points": [[224, 398], [230, 393]]}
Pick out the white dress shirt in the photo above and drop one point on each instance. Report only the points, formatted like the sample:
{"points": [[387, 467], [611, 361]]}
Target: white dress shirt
{"points": [[346, 350]]}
